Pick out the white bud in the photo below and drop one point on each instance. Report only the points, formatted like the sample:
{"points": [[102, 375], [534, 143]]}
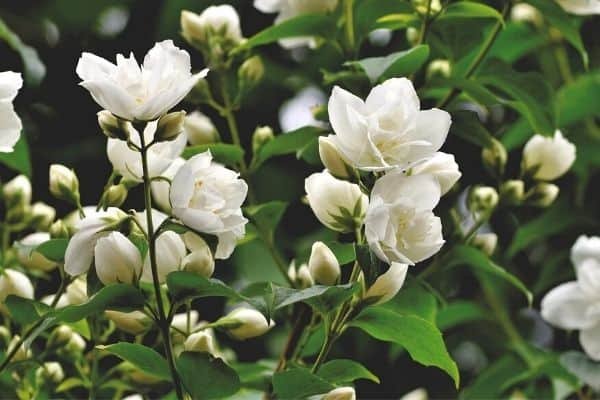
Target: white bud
{"points": [[388, 284], [261, 135], [135, 322], [112, 126], [439, 67], [512, 191], [17, 191], [482, 199], [245, 323], [420, 6], [323, 265], [494, 157], [170, 126], [60, 336], [29, 258], [486, 242], [548, 158], [76, 344], [542, 195], [222, 21], [64, 183], [200, 261], [443, 167], [301, 275], [412, 35], [200, 129], [115, 195], [523, 12], [202, 342], [16, 283], [77, 292], [341, 393], [332, 159], [117, 259], [251, 72], [23, 353], [417, 394], [42, 215], [50, 371]]}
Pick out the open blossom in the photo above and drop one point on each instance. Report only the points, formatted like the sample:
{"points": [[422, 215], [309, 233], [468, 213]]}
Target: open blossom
{"points": [[10, 123], [400, 225], [139, 92], [548, 157], [580, 7], [287, 9], [576, 304], [160, 188], [128, 162], [388, 129], [208, 197]]}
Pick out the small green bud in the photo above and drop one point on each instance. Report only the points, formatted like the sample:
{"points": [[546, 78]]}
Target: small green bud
{"points": [[261, 135], [59, 230], [115, 196], [42, 216], [542, 194], [251, 72], [494, 158], [64, 183], [482, 199], [486, 242], [170, 126], [512, 191], [113, 126], [17, 191], [439, 68]]}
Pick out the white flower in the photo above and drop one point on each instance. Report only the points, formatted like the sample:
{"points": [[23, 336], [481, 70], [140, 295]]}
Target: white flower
{"points": [[585, 247], [200, 260], [80, 250], [292, 8], [135, 322], [296, 112], [400, 225], [246, 323], [200, 129], [18, 190], [135, 92], [30, 258], [332, 159], [323, 265], [201, 342], [576, 305], [388, 129], [180, 321], [160, 188], [443, 167], [301, 276], [221, 19], [10, 123], [128, 162], [417, 394], [339, 205], [208, 197], [548, 157], [580, 7], [388, 284], [51, 371], [341, 393], [16, 283], [117, 259]]}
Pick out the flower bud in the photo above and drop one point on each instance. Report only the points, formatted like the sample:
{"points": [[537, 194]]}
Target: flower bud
{"points": [[420, 6], [486, 242], [200, 129], [5, 336], [134, 323], [412, 35], [387, 285], [17, 191], [117, 259], [220, 21], [113, 126], [202, 342], [323, 265], [75, 345], [50, 372], [548, 158], [438, 67], [115, 195], [42, 216], [482, 199], [251, 72], [542, 195], [443, 167], [30, 258], [200, 260], [261, 135], [301, 276], [23, 353], [60, 336], [64, 183], [59, 230], [341, 393], [332, 159], [76, 292], [512, 191], [170, 126], [245, 323], [523, 12], [16, 283], [494, 157]]}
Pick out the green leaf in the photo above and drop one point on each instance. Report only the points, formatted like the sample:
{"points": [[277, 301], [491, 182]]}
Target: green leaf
{"points": [[460, 312], [19, 159], [474, 90], [187, 285], [144, 358], [119, 296], [369, 263], [488, 384], [565, 24], [24, 311], [53, 249], [286, 143], [414, 299], [266, 216], [421, 339], [34, 69], [398, 64], [322, 298], [225, 153], [579, 99], [466, 125], [516, 40], [470, 10], [206, 377], [299, 384], [255, 375], [374, 14], [479, 261], [312, 25], [345, 371]]}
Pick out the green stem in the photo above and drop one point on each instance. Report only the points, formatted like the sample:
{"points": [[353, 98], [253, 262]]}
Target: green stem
{"points": [[425, 24], [163, 321], [487, 45], [349, 25]]}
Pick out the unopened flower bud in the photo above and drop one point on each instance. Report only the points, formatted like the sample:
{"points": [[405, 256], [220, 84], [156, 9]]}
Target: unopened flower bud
{"points": [[23, 353], [59, 230], [412, 35], [220, 21], [420, 6], [60, 336], [200, 129], [387, 285], [113, 126], [117, 259], [300, 276], [482, 199], [323, 265], [29, 257], [523, 12], [542, 195], [200, 260], [64, 183], [548, 158], [76, 292], [50, 372], [17, 191], [5, 336], [494, 158], [486, 242], [202, 342], [42, 216], [439, 67], [245, 323], [16, 283], [512, 191], [341, 393], [251, 72], [134, 323], [170, 126], [115, 196], [261, 135], [332, 159]]}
